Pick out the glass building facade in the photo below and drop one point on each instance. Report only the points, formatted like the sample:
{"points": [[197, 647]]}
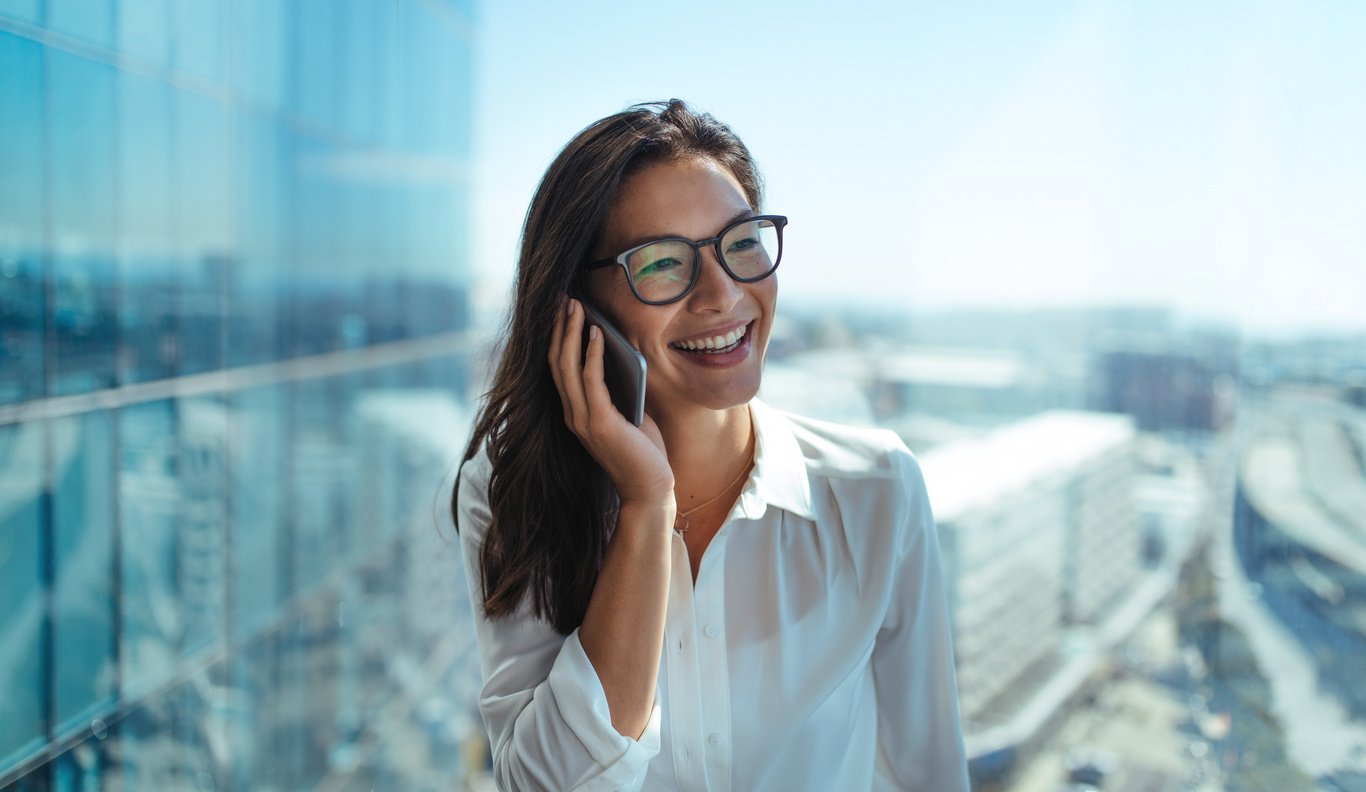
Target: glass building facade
{"points": [[234, 293]]}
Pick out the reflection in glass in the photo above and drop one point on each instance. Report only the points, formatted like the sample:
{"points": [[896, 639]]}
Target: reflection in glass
{"points": [[80, 114], [21, 220], [202, 190], [200, 537], [148, 324], [83, 509], [151, 618], [255, 495], [21, 588]]}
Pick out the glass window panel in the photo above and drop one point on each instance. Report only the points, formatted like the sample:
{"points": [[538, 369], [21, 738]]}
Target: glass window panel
{"points": [[144, 31], [202, 190], [198, 37], [151, 619], [81, 113], [322, 469], [317, 281], [314, 67], [259, 538], [176, 740], [22, 594], [253, 322], [21, 219], [23, 10], [256, 43], [200, 538], [83, 509], [91, 21], [149, 323]]}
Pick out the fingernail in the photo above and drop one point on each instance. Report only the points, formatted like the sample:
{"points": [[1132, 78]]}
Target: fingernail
{"points": [[593, 331]]}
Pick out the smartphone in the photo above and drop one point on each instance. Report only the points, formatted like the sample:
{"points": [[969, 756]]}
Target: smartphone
{"points": [[623, 364]]}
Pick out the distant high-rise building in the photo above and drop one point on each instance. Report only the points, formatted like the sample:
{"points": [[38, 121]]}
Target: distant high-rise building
{"points": [[223, 227], [1037, 526]]}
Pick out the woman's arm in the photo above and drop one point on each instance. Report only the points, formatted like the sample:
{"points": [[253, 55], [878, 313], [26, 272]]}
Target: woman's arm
{"points": [[920, 737], [545, 705], [623, 629]]}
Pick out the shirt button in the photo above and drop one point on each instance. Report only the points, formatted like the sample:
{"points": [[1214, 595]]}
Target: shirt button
{"points": [[680, 647], [714, 738], [709, 631]]}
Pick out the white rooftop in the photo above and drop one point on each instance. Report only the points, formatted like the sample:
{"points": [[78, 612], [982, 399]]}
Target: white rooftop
{"points": [[973, 472]]}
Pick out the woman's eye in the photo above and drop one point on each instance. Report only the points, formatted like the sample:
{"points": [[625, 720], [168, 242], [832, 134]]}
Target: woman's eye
{"points": [[741, 245], [658, 266]]}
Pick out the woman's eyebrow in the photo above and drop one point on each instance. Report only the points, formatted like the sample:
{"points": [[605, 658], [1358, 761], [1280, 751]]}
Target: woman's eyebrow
{"points": [[647, 238]]}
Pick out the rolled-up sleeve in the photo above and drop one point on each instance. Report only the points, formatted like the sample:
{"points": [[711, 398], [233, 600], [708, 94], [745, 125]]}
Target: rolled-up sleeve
{"points": [[920, 738], [542, 702]]}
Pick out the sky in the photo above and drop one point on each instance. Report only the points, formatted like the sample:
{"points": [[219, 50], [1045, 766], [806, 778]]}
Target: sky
{"points": [[1205, 156]]}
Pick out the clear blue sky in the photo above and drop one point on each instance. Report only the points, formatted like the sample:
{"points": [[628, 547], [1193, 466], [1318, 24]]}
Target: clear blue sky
{"points": [[1207, 156]]}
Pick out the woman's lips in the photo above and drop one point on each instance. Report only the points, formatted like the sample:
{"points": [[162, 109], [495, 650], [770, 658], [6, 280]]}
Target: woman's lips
{"points": [[723, 357]]}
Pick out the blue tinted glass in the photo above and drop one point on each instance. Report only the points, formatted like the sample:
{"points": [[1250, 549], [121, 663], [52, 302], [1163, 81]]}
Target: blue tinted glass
{"points": [[148, 321], [176, 740], [23, 10], [319, 280], [200, 565], [21, 589], [21, 219], [323, 469], [198, 38], [203, 191], [91, 21], [144, 31], [314, 70], [253, 322], [259, 538], [83, 509], [256, 43], [81, 113], [151, 618]]}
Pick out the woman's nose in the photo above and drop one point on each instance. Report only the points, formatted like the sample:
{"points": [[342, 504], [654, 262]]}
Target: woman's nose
{"points": [[716, 290]]}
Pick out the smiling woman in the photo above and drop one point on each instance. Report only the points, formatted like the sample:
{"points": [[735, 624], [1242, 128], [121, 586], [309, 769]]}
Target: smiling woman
{"points": [[726, 596]]}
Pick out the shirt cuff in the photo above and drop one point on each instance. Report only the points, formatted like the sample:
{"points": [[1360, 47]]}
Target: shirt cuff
{"points": [[582, 702]]}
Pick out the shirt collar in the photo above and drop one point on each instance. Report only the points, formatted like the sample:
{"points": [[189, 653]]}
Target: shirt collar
{"points": [[780, 478]]}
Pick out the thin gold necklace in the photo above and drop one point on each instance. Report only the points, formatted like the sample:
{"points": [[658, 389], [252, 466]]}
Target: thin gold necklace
{"points": [[681, 519]]}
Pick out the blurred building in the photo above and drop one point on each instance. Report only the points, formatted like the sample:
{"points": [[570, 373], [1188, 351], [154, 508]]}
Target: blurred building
{"points": [[226, 230], [1038, 530], [1166, 389], [1300, 531]]}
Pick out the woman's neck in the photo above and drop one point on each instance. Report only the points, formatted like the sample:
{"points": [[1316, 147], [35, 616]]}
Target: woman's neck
{"points": [[707, 449]]}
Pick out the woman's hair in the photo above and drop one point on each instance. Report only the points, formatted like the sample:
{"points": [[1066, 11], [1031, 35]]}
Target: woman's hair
{"points": [[553, 508]]}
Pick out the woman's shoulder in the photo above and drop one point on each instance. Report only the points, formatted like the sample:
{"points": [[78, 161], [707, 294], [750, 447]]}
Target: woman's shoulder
{"points": [[837, 450]]}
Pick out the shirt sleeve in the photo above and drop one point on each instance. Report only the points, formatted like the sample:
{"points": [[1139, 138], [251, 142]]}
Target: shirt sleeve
{"points": [[919, 735], [542, 702]]}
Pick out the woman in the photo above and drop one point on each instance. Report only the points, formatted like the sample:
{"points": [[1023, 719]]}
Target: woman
{"points": [[725, 597]]}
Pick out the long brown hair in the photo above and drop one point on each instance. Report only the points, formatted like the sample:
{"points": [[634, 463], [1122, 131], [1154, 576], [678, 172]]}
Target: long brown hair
{"points": [[552, 506]]}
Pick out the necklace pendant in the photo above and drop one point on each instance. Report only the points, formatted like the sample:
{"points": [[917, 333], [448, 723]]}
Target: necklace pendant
{"points": [[681, 523]]}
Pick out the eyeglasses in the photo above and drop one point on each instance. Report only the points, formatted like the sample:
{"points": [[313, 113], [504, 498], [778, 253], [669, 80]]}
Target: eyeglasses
{"points": [[666, 270]]}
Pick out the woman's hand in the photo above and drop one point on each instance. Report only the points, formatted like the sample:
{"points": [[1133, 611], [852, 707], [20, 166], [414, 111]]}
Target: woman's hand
{"points": [[633, 457]]}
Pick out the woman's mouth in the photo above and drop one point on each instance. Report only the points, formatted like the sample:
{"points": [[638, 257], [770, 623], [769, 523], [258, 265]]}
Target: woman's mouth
{"points": [[714, 345]]}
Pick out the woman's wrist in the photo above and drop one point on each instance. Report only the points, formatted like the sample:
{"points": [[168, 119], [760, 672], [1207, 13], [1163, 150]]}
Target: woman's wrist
{"points": [[659, 510]]}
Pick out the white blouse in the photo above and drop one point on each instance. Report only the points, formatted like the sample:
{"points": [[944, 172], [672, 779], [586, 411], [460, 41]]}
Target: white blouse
{"points": [[813, 652]]}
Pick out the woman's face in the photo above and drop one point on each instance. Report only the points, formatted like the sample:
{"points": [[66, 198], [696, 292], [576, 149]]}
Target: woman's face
{"points": [[696, 199]]}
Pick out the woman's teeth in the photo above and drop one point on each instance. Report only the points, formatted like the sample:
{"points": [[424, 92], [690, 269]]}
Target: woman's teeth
{"points": [[716, 344]]}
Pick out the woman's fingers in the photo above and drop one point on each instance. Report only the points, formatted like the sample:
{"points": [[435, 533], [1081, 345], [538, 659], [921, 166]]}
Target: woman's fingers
{"points": [[595, 385], [570, 367]]}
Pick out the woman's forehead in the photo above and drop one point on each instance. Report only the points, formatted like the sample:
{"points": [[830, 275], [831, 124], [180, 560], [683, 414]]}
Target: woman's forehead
{"points": [[692, 198]]}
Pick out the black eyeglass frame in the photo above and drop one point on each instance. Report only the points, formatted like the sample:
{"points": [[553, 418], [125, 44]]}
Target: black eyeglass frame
{"points": [[779, 221]]}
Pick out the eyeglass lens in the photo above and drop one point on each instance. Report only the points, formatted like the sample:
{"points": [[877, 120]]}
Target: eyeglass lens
{"points": [[663, 270]]}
